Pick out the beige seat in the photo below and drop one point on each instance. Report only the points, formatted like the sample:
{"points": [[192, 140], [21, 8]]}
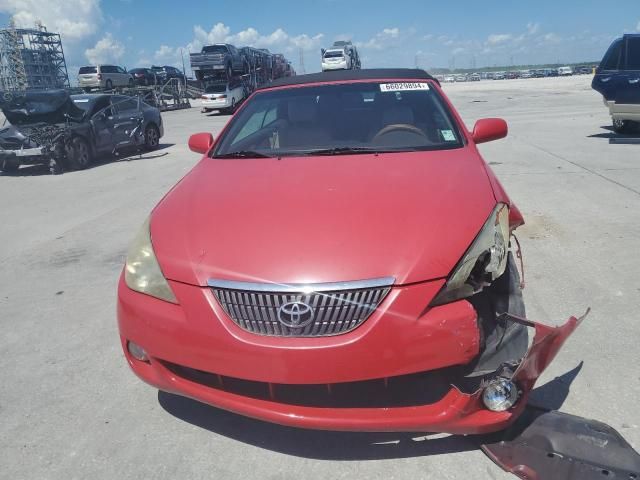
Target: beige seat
{"points": [[303, 128]]}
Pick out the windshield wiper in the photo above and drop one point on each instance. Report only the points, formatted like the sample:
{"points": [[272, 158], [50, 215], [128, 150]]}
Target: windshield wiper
{"points": [[341, 151], [243, 154]]}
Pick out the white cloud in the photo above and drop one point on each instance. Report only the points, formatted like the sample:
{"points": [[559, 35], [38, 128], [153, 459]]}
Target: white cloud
{"points": [[533, 28], [305, 42], [105, 50], [165, 52], [73, 19], [391, 32], [381, 39], [277, 41], [498, 38], [551, 38]]}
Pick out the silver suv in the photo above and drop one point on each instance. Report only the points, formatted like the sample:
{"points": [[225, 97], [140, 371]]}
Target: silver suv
{"points": [[103, 77]]}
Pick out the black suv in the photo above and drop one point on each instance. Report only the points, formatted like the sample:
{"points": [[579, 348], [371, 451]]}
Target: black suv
{"points": [[166, 73], [618, 80]]}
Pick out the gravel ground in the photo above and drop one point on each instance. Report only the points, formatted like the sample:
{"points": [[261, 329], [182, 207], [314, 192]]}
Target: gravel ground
{"points": [[70, 408]]}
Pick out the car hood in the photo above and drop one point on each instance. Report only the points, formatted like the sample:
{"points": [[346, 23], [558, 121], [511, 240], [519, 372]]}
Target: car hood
{"points": [[40, 106], [410, 216]]}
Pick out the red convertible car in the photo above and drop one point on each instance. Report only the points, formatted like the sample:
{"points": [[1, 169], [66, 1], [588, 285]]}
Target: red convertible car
{"points": [[341, 258]]}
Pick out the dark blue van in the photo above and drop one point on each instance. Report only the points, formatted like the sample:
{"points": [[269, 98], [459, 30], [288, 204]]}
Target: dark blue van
{"points": [[618, 80]]}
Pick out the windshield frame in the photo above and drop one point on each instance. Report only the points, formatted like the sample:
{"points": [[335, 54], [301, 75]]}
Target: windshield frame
{"points": [[215, 49], [450, 112]]}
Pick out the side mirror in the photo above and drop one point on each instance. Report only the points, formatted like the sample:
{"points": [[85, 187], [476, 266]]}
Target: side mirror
{"points": [[489, 129], [200, 142]]}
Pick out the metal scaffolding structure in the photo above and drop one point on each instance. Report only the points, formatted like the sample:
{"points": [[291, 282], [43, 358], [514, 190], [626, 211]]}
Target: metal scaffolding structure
{"points": [[31, 58]]}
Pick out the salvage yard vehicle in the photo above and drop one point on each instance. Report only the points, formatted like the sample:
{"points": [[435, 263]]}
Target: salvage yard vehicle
{"points": [[617, 78], [69, 131], [340, 258], [342, 55], [104, 77], [144, 76], [335, 59], [224, 97], [565, 71], [222, 57], [166, 73]]}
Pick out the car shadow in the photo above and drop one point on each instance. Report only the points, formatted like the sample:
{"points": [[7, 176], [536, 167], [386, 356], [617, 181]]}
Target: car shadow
{"points": [[217, 114], [125, 155], [314, 444], [331, 445], [610, 134]]}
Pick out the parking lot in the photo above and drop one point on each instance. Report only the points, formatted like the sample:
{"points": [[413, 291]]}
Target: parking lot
{"points": [[70, 407]]}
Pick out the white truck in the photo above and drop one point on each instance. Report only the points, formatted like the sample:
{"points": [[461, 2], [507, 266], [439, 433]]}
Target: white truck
{"points": [[342, 55]]}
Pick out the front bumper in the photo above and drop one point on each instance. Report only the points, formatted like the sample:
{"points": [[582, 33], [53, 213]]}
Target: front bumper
{"points": [[196, 337], [24, 156]]}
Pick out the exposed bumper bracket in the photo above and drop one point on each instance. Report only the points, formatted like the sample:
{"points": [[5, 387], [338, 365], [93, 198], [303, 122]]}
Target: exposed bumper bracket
{"points": [[553, 445]]}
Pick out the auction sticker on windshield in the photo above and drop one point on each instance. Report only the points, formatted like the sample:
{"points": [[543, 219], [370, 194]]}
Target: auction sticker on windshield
{"points": [[404, 86]]}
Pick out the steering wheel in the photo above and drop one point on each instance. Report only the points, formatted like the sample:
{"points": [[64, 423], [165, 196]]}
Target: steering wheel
{"points": [[399, 127]]}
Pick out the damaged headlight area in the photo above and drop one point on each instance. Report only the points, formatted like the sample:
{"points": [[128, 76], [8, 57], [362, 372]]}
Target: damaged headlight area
{"points": [[142, 271], [483, 262]]}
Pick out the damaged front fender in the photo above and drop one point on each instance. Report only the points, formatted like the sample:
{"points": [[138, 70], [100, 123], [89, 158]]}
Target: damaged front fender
{"points": [[546, 343]]}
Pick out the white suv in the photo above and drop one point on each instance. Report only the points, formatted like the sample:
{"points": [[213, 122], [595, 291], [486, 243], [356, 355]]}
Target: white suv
{"points": [[336, 59], [222, 97], [103, 77]]}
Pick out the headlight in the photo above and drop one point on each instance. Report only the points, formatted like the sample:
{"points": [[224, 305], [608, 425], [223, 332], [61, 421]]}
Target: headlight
{"points": [[142, 272], [483, 262]]}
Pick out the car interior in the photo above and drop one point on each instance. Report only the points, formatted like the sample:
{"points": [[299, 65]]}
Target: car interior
{"points": [[411, 119]]}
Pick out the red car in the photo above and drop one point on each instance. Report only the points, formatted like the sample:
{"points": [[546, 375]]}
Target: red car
{"points": [[339, 259]]}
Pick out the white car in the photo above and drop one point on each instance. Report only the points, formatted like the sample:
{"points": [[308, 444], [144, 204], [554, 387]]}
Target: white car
{"points": [[336, 59], [222, 97], [104, 77], [565, 71]]}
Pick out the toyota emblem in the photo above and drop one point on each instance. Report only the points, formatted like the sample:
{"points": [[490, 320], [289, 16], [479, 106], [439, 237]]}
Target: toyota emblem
{"points": [[295, 314]]}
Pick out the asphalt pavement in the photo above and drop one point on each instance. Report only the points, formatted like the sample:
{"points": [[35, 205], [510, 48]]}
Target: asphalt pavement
{"points": [[71, 409]]}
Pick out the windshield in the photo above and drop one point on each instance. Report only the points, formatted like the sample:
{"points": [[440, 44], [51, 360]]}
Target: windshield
{"points": [[334, 54], [214, 49], [82, 103], [222, 88], [87, 70], [341, 118]]}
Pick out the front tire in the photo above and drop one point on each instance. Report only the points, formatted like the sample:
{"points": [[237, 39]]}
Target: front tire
{"points": [[108, 85], [10, 166], [131, 83], [151, 137], [623, 126], [78, 154]]}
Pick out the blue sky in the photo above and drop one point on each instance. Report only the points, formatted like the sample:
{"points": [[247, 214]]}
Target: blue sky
{"points": [[428, 34]]}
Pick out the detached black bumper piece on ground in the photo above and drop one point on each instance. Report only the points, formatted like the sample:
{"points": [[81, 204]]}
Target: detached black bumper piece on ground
{"points": [[545, 445]]}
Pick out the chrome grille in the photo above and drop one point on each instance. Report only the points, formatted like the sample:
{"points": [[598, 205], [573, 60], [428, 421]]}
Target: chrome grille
{"points": [[281, 310]]}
